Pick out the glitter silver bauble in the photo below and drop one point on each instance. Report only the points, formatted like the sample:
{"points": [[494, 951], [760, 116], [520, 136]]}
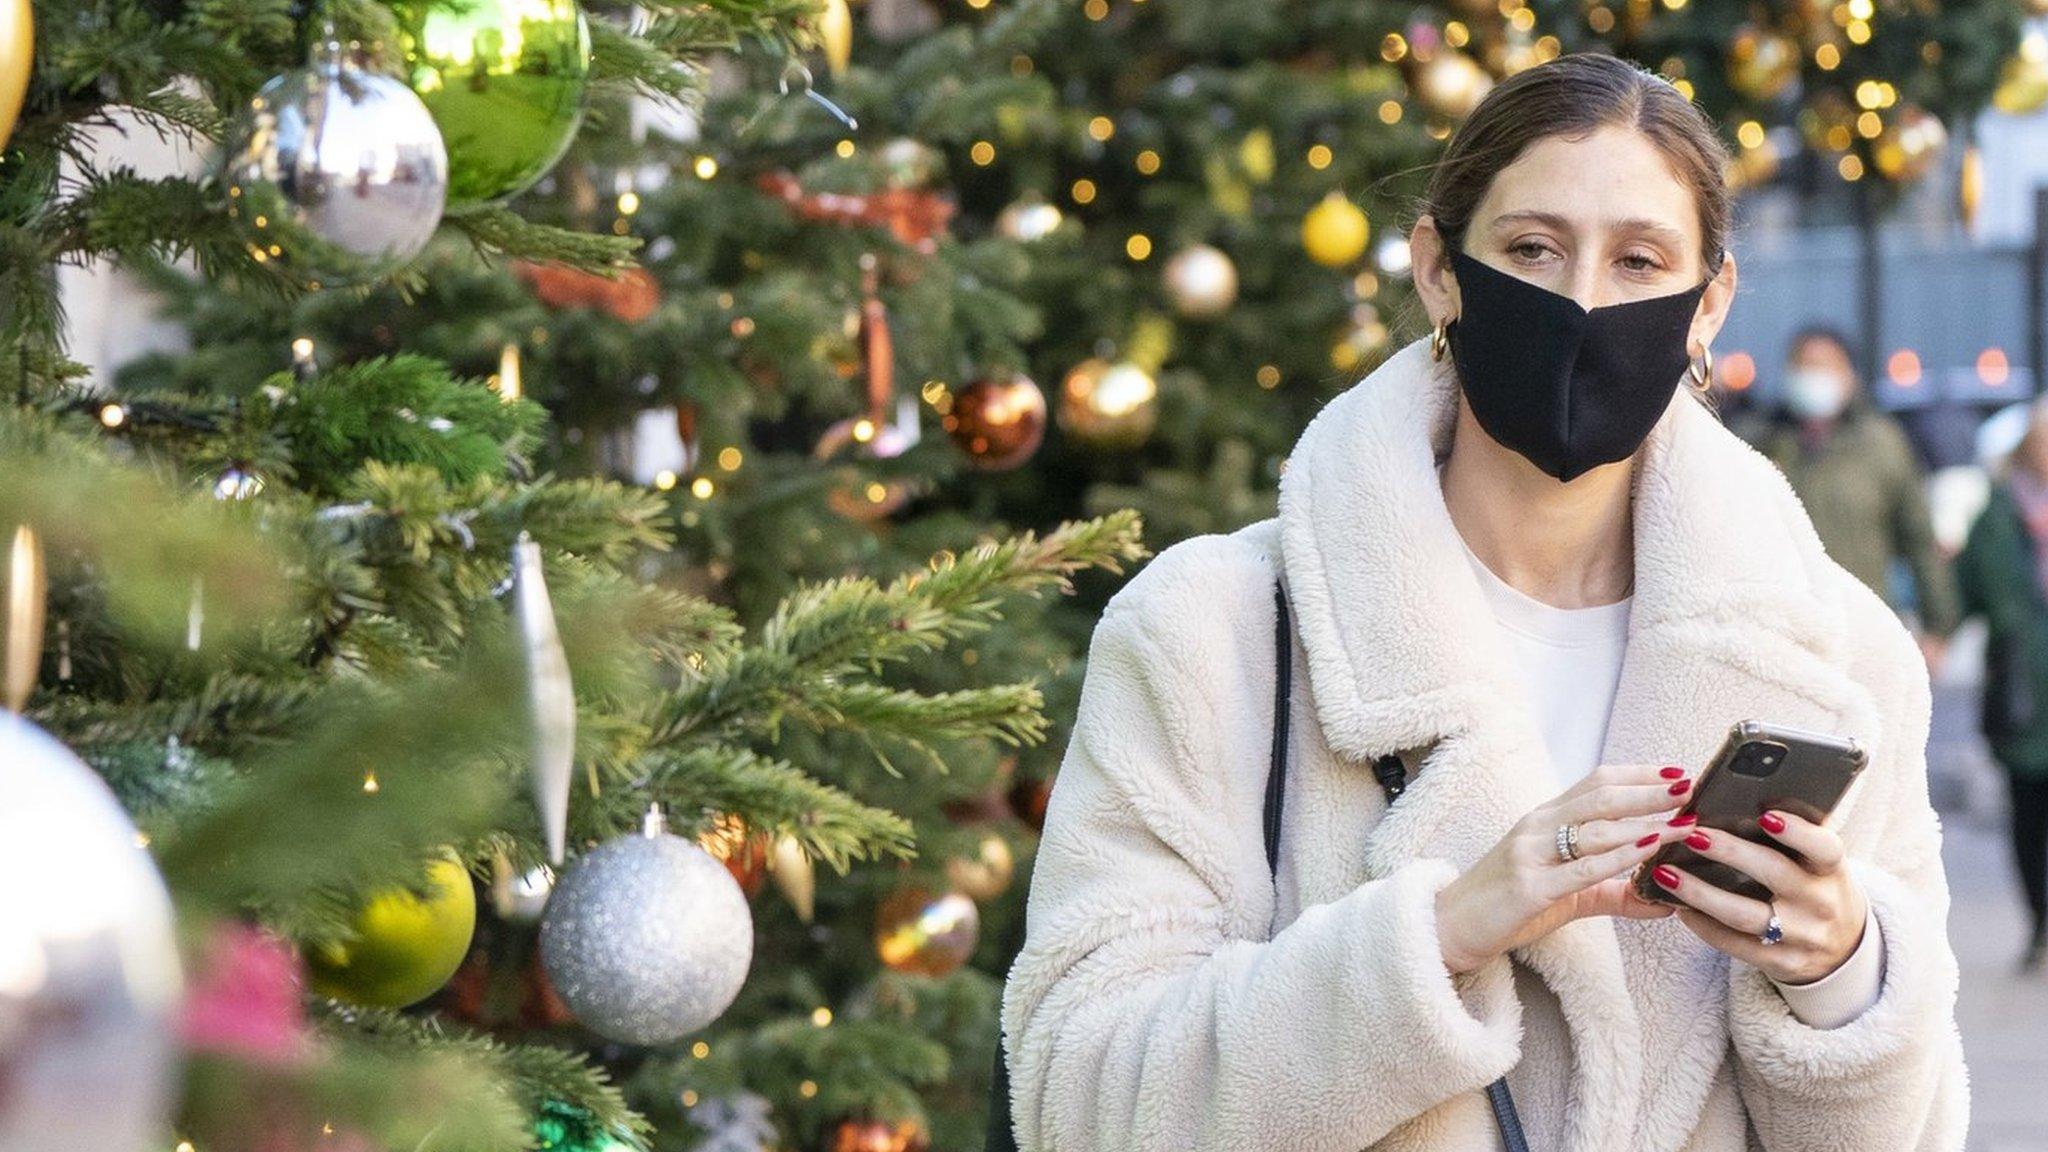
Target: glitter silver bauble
{"points": [[648, 938], [335, 175], [89, 978]]}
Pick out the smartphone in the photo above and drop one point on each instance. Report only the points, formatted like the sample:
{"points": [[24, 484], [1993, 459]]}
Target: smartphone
{"points": [[1759, 767]]}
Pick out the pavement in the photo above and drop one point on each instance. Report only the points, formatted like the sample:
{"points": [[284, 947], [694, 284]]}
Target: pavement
{"points": [[2003, 1015]]}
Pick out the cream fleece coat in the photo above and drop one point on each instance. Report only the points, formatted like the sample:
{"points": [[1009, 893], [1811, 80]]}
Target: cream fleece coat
{"points": [[1168, 997]]}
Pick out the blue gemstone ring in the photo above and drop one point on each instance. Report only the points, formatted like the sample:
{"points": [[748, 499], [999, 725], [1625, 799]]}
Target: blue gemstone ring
{"points": [[1774, 931]]}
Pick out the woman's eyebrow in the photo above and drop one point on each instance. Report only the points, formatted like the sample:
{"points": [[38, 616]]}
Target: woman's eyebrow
{"points": [[1636, 224]]}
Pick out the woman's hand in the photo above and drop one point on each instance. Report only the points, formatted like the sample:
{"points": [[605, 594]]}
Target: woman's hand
{"points": [[1821, 909], [1521, 890]]}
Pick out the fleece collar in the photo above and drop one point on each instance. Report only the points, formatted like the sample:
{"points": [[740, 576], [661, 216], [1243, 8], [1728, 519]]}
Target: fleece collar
{"points": [[1736, 615]]}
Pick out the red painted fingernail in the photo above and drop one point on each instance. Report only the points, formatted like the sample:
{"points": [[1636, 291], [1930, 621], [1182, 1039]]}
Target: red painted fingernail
{"points": [[1680, 788], [1665, 876], [1646, 841], [1698, 842], [1685, 819], [1771, 822], [1671, 773]]}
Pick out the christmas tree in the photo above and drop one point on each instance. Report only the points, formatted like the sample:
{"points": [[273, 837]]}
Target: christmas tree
{"points": [[1000, 266], [345, 647]]}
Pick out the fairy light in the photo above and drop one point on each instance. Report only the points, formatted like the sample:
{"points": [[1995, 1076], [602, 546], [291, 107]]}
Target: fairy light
{"points": [[821, 1016], [729, 458], [1319, 157], [629, 203], [702, 488], [844, 148], [1750, 134], [1390, 111], [1147, 162], [807, 1089], [1139, 246], [113, 415], [863, 430], [700, 1049], [1101, 128], [1084, 191], [1269, 376], [982, 153], [510, 387], [665, 480], [1393, 46], [370, 784], [1851, 168], [706, 167]]}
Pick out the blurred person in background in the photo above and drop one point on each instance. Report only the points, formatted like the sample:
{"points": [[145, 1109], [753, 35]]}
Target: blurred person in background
{"points": [[2000, 574], [1854, 469]]}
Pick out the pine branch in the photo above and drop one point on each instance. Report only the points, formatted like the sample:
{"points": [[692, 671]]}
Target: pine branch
{"points": [[775, 796], [498, 231]]}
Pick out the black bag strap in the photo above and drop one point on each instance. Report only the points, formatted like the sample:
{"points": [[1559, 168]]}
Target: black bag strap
{"points": [[1392, 775]]}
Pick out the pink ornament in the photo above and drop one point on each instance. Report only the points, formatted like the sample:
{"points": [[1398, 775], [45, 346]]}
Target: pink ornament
{"points": [[245, 1002]]}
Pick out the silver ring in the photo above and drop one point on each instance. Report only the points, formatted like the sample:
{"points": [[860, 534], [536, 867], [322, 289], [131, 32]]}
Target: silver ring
{"points": [[1773, 932], [1567, 843]]}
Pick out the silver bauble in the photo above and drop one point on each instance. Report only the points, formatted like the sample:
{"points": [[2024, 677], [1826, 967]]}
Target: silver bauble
{"points": [[648, 938], [550, 699], [335, 175], [520, 897], [89, 978], [1202, 281]]}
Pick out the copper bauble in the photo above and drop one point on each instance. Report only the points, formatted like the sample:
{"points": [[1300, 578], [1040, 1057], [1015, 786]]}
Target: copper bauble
{"points": [[744, 853], [856, 1135], [925, 934], [1109, 406], [999, 422]]}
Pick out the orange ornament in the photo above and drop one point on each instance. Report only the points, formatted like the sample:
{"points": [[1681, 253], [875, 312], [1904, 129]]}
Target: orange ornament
{"points": [[858, 1135]]}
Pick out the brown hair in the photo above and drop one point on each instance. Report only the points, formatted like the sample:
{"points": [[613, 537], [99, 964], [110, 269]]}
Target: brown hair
{"points": [[1573, 95]]}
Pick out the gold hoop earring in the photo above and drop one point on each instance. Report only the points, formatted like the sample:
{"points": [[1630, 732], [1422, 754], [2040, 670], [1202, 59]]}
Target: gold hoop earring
{"points": [[1701, 371], [1439, 340]]}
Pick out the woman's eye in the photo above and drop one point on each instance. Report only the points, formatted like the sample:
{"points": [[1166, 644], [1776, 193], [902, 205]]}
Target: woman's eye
{"points": [[1527, 249], [1640, 263]]}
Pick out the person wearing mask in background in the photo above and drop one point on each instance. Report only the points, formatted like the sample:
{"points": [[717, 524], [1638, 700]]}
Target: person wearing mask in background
{"points": [[1852, 467], [2000, 573]]}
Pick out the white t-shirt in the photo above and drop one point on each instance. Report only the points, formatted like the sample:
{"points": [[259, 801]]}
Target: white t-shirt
{"points": [[1569, 662]]}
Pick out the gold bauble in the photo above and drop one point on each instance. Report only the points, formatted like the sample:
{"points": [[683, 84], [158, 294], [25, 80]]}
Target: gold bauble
{"points": [[986, 874], [1255, 155], [1449, 83], [795, 876], [1201, 281], [1111, 407], [835, 35], [999, 422], [1335, 231], [1762, 63], [1909, 145], [2023, 81], [858, 1135], [405, 947], [2035, 7], [926, 934], [17, 56]]}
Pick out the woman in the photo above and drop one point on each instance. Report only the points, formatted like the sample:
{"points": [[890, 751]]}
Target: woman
{"points": [[2001, 572], [1440, 525]]}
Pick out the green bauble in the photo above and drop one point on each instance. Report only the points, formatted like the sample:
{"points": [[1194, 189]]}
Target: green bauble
{"points": [[406, 946], [505, 81], [562, 1127]]}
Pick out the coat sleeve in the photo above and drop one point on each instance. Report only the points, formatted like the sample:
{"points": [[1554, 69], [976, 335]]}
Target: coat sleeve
{"points": [[1894, 1077], [1148, 1009]]}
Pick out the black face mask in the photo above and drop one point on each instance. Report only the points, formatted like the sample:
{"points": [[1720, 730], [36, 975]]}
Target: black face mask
{"points": [[1567, 388]]}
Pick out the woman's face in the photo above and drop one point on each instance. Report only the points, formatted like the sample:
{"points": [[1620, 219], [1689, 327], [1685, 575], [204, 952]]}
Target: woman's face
{"points": [[1602, 219]]}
